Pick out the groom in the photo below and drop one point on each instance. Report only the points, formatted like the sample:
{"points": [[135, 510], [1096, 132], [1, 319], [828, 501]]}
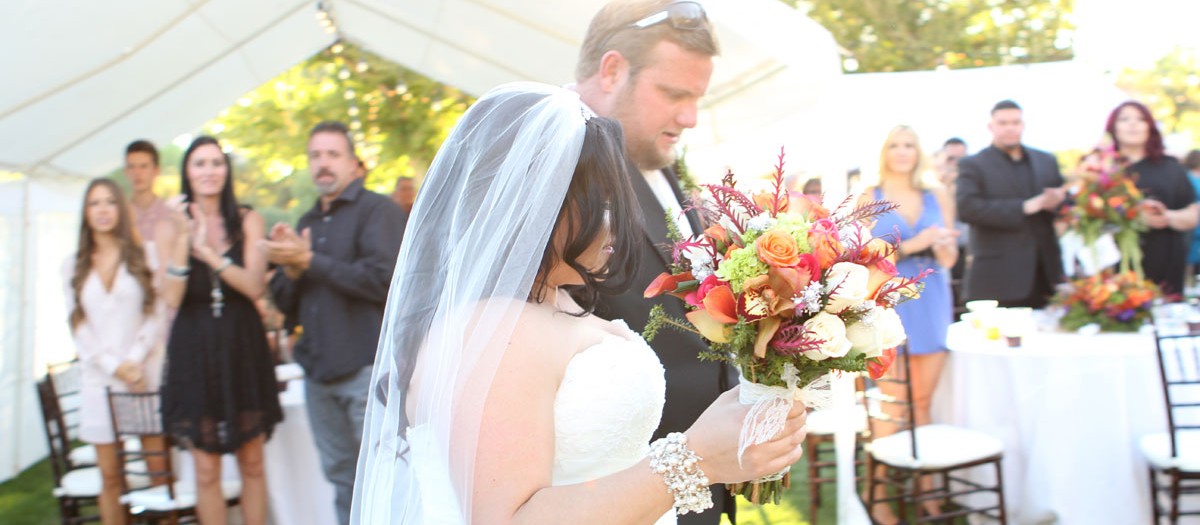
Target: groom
{"points": [[646, 63]]}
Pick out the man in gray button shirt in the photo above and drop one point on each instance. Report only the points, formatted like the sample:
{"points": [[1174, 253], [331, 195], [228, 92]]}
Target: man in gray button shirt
{"points": [[334, 281]]}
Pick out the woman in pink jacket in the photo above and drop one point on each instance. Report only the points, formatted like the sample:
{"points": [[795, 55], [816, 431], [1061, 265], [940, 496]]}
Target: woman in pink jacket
{"points": [[116, 319]]}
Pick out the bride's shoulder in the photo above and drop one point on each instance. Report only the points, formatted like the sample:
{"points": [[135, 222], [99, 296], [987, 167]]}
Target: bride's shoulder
{"points": [[558, 335]]}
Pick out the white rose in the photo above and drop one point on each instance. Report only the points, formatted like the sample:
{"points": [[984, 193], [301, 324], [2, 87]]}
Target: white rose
{"points": [[864, 336], [846, 284], [829, 329], [889, 327]]}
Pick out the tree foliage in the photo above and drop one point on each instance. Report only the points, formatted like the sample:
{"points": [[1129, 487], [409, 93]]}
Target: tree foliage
{"points": [[887, 35], [399, 119], [1171, 88]]}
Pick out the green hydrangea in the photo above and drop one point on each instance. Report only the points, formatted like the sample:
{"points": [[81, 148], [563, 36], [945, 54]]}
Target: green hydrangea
{"points": [[798, 227], [740, 266]]}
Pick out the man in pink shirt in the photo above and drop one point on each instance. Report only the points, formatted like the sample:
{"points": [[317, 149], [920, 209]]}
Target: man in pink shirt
{"points": [[141, 169]]}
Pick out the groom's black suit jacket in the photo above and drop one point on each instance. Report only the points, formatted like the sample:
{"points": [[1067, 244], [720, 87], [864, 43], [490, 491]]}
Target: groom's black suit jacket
{"points": [[692, 384]]}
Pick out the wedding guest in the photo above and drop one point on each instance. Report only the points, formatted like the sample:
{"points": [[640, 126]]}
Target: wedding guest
{"points": [[334, 281], [1169, 208], [405, 193], [220, 394], [854, 181], [646, 63], [953, 150], [923, 224], [116, 319], [1192, 163], [812, 188], [1009, 194], [142, 169], [946, 163]]}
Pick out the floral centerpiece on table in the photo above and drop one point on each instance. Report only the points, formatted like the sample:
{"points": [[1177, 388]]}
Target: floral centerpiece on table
{"points": [[786, 295], [1117, 302], [1105, 200]]}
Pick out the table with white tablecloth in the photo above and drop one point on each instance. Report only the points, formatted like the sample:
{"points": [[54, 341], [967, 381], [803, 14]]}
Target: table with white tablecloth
{"points": [[1070, 409], [297, 491]]}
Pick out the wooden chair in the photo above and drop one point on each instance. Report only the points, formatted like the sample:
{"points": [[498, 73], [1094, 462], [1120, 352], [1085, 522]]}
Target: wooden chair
{"points": [[67, 379], [75, 488], [929, 450], [137, 415], [1174, 455]]}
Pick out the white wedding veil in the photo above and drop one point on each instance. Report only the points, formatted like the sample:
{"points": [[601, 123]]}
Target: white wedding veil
{"points": [[469, 260]]}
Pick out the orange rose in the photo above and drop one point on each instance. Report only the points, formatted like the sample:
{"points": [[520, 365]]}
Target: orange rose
{"points": [[777, 249], [767, 202], [881, 272], [718, 233], [874, 250]]}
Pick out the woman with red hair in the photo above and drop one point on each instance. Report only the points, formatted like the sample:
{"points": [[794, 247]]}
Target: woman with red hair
{"points": [[1170, 208]]}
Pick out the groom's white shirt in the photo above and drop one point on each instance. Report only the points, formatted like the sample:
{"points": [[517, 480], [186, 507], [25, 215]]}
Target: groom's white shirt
{"points": [[666, 197]]}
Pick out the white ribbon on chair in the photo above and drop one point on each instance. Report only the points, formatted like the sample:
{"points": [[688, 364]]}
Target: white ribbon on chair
{"points": [[850, 507]]}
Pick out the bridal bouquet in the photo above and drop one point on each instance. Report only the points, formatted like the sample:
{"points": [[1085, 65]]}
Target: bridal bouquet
{"points": [[1118, 302], [787, 292], [1104, 200]]}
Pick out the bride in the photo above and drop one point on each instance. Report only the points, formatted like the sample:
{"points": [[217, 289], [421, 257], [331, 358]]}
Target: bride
{"points": [[497, 397]]}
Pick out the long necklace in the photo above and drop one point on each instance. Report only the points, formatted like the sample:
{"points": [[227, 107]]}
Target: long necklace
{"points": [[218, 296]]}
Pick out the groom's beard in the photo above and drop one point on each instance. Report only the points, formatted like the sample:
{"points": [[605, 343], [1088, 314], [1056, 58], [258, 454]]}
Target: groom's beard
{"points": [[642, 150]]}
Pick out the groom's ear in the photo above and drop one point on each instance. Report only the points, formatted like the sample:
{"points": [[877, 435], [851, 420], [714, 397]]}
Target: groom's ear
{"points": [[614, 71]]}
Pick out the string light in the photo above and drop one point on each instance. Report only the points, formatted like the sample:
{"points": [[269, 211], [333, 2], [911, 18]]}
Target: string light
{"points": [[325, 18]]}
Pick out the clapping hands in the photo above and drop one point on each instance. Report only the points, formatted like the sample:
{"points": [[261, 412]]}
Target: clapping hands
{"points": [[291, 251], [1048, 200], [190, 228]]}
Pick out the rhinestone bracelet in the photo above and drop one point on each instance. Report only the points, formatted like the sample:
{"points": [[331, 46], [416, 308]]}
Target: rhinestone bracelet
{"points": [[679, 467]]}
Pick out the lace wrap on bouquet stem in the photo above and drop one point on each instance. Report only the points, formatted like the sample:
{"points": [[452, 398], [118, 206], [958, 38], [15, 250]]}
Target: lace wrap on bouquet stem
{"points": [[770, 406]]}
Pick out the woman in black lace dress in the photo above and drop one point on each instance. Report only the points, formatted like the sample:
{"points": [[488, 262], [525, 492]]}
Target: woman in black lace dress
{"points": [[219, 394]]}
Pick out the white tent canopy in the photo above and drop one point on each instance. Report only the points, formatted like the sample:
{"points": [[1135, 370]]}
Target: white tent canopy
{"points": [[108, 72], [85, 78]]}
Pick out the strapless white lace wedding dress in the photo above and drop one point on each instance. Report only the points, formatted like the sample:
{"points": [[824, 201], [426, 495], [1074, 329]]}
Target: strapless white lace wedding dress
{"points": [[605, 412], [607, 407]]}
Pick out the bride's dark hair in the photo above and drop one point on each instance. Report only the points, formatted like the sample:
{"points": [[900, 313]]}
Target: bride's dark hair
{"points": [[600, 186]]}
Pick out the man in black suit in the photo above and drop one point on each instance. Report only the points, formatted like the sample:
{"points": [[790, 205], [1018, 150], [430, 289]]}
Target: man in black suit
{"points": [[1009, 194], [646, 63]]}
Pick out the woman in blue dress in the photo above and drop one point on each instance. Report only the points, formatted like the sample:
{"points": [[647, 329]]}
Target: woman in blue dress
{"points": [[926, 243]]}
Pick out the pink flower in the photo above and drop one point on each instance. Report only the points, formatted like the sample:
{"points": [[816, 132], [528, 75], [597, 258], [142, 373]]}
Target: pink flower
{"points": [[696, 298], [825, 243]]}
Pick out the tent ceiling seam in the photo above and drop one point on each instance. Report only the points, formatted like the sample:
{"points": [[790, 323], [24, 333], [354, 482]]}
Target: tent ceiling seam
{"points": [[435, 37], [545, 29], [262, 30], [137, 48]]}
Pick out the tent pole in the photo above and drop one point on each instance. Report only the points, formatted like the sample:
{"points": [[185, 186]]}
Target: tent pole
{"points": [[23, 353]]}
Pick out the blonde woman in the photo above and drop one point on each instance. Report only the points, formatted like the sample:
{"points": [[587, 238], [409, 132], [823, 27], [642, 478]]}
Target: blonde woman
{"points": [[924, 226]]}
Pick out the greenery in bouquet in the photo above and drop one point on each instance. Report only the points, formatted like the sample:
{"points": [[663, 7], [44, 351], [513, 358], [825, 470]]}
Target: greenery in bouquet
{"points": [[1105, 199], [1117, 302], [787, 290]]}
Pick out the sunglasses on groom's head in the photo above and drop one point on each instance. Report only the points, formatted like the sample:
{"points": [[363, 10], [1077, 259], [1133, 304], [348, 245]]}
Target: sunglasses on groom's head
{"points": [[684, 16], [687, 16]]}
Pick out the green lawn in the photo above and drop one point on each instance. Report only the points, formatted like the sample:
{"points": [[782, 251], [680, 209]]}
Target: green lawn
{"points": [[26, 500]]}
